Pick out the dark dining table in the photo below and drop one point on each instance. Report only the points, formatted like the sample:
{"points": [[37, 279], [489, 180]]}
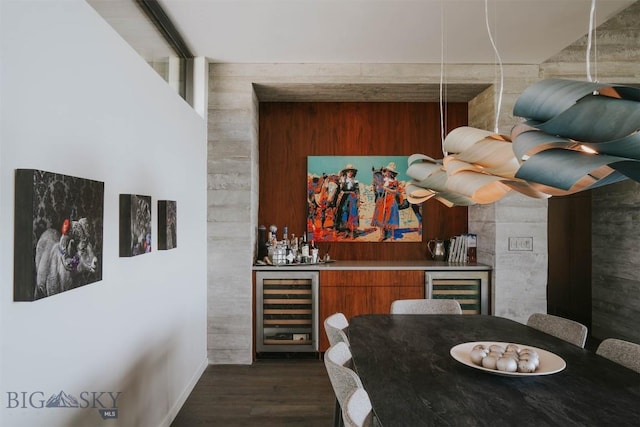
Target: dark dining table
{"points": [[405, 365]]}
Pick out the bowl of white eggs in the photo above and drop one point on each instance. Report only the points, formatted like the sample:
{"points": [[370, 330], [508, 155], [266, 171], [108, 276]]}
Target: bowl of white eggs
{"points": [[507, 359]]}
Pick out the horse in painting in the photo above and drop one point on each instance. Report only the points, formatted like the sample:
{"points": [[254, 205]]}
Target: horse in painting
{"points": [[321, 198]]}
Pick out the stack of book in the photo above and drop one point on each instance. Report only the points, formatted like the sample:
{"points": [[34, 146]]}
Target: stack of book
{"points": [[462, 248]]}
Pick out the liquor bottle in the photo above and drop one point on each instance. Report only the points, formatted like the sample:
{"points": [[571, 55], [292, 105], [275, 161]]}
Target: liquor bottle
{"points": [[294, 248], [287, 244], [263, 249], [305, 248], [273, 229], [314, 252]]}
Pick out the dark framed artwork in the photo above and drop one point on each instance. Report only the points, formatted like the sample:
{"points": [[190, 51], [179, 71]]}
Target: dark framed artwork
{"points": [[360, 199], [58, 233], [167, 216], [135, 225]]}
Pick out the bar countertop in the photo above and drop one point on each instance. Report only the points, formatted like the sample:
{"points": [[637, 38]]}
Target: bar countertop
{"points": [[426, 265]]}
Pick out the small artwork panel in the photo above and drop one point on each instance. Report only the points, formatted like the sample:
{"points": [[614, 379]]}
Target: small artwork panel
{"points": [[360, 199], [58, 233], [167, 216], [135, 225]]}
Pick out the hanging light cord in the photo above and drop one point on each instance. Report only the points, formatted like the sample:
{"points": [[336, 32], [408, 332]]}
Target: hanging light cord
{"points": [[495, 49], [442, 78], [589, 38]]}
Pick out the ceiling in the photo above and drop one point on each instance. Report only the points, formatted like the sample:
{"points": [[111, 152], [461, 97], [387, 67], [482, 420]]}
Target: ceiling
{"points": [[361, 31], [128, 19], [382, 31]]}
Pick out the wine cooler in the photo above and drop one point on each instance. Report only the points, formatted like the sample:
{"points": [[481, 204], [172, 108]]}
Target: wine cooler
{"points": [[286, 311], [469, 288]]}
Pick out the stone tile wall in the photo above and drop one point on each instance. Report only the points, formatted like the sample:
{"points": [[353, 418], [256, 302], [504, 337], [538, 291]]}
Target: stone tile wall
{"points": [[615, 283], [233, 187]]}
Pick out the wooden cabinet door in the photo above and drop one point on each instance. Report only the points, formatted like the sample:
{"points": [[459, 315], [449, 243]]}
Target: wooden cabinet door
{"points": [[357, 292]]}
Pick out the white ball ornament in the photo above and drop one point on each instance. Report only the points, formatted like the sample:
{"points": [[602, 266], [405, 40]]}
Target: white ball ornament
{"points": [[507, 364], [490, 362], [526, 366], [507, 358]]}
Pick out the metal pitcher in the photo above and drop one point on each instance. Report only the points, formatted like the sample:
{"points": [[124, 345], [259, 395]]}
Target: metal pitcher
{"points": [[436, 249]]}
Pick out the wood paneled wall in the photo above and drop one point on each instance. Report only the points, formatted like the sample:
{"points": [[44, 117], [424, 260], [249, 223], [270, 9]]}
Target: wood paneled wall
{"points": [[289, 132]]}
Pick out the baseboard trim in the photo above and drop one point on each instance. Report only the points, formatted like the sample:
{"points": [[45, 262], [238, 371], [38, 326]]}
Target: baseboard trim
{"points": [[173, 412]]}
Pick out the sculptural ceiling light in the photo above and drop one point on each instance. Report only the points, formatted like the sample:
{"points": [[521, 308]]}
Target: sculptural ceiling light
{"points": [[575, 136]]}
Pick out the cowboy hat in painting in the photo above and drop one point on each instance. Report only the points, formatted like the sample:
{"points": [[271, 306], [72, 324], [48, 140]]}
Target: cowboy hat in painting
{"points": [[391, 167], [347, 168]]}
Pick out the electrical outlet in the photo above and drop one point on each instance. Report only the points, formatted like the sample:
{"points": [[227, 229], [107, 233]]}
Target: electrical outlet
{"points": [[520, 243]]}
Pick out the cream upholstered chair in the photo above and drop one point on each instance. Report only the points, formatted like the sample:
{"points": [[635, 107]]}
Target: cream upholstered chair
{"points": [[357, 410], [426, 306], [336, 327], [565, 329], [344, 380], [622, 352]]}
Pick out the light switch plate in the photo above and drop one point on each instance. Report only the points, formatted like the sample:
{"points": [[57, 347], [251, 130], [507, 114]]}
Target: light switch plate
{"points": [[520, 243]]}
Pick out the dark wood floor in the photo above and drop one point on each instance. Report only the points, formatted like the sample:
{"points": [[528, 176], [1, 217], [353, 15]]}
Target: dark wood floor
{"points": [[289, 392]]}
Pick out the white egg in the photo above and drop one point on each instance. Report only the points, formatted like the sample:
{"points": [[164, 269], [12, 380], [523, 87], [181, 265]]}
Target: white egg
{"points": [[507, 364], [490, 362], [479, 347]]}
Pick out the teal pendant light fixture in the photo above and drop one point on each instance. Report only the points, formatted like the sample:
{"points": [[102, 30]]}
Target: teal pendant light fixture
{"points": [[574, 136]]}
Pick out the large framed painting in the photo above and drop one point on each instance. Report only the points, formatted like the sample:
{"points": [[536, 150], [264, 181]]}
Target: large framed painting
{"points": [[360, 199], [58, 233], [167, 217], [135, 225]]}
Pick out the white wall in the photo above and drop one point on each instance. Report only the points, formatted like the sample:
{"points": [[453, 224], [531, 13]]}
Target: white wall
{"points": [[77, 100]]}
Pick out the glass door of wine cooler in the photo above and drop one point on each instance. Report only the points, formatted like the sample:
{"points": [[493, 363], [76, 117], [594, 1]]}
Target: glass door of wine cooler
{"points": [[286, 311], [469, 288]]}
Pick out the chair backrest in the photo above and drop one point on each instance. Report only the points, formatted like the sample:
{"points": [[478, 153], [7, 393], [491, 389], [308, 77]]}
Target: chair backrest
{"points": [[426, 306], [344, 380], [357, 410], [622, 352], [335, 326], [565, 329]]}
